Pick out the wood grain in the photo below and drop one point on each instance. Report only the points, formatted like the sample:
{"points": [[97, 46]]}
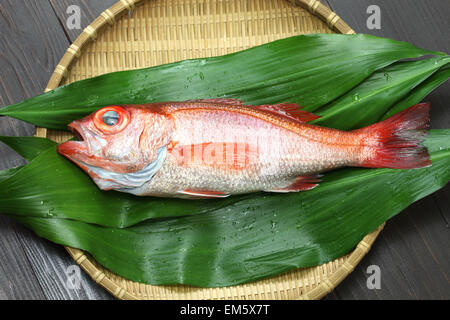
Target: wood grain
{"points": [[89, 11], [412, 251], [31, 45]]}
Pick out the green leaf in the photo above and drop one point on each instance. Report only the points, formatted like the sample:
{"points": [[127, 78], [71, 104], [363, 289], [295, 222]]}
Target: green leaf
{"points": [[287, 70], [5, 174], [420, 92], [28, 147], [369, 101], [257, 237]]}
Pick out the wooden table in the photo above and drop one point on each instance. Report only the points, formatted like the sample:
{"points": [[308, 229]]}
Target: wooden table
{"points": [[413, 250]]}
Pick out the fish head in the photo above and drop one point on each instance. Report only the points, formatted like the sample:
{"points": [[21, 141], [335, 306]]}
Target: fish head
{"points": [[119, 147]]}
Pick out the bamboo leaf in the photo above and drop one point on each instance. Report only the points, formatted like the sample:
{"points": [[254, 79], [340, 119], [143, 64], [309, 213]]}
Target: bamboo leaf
{"points": [[420, 92], [5, 174], [286, 70], [369, 101], [28, 147], [256, 237]]}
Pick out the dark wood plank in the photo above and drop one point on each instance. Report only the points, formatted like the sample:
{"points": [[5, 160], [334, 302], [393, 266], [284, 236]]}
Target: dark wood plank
{"points": [[89, 10], [25, 65], [412, 251], [17, 278], [32, 43]]}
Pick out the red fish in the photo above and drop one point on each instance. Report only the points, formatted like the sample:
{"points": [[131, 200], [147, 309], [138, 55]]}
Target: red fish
{"points": [[216, 148]]}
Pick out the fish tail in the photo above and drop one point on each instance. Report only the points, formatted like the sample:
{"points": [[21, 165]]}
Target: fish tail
{"points": [[396, 141]]}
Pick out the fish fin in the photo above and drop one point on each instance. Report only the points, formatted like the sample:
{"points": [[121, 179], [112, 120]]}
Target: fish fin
{"points": [[204, 194], [231, 102], [301, 183], [289, 111], [397, 140]]}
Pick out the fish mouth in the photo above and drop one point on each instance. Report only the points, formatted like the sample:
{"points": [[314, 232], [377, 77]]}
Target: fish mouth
{"points": [[75, 150], [82, 151], [77, 131]]}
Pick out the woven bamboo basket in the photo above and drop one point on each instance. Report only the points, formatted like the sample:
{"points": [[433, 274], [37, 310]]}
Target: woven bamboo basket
{"points": [[141, 33]]}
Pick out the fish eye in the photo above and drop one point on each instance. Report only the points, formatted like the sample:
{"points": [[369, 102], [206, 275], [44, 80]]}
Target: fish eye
{"points": [[110, 118]]}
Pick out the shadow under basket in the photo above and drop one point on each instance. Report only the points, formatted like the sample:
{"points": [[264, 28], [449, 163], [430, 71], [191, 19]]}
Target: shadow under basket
{"points": [[143, 33]]}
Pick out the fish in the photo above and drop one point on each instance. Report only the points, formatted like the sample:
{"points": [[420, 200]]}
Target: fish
{"points": [[214, 148]]}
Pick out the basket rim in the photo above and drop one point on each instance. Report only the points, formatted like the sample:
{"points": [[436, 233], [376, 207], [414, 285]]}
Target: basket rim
{"points": [[108, 17]]}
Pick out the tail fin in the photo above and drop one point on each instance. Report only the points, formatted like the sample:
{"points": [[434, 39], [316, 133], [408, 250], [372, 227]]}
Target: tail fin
{"points": [[395, 142]]}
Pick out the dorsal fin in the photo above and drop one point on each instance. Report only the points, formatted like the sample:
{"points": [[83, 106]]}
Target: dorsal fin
{"points": [[289, 111], [231, 102]]}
